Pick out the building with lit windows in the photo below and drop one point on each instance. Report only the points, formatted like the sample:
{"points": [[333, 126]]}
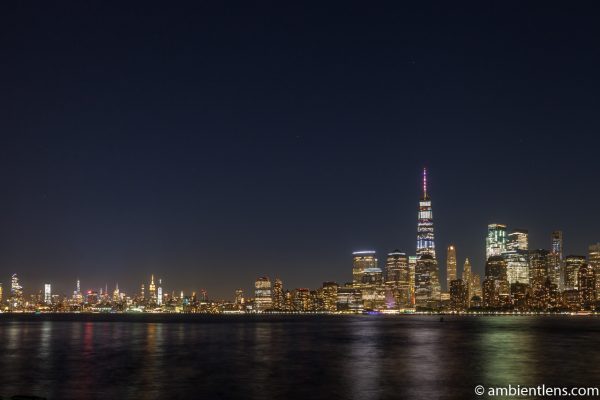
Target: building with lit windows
{"points": [[349, 299], [594, 262], [539, 266], [572, 265], [262, 294], [450, 265], [458, 295], [496, 268], [425, 233], [278, 295], [362, 260], [495, 242], [556, 260], [16, 293], [586, 281], [427, 283], [398, 279], [517, 256], [467, 277], [330, 295], [47, 294]]}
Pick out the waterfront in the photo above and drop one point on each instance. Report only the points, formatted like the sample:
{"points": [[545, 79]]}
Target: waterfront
{"points": [[295, 357]]}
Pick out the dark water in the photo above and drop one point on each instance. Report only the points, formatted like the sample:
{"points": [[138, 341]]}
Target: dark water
{"points": [[327, 357]]}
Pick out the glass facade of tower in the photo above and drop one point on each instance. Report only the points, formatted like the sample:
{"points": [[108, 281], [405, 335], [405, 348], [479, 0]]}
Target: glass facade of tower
{"points": [[572, 265], [517, 256], [262, 294], [495, 242], [594, 261]]}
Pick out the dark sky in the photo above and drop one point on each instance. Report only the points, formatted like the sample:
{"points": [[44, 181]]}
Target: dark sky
{"points": [[210, 144]]}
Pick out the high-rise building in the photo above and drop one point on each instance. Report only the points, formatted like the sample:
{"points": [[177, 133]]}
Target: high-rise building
{"points": [[425, 234], [556, 260], [262, 294], [496, 268], [458, 295], [594, 261], [427, 283], [467, 277], [412, 265], [450, 265], [330, 294], [475, 285], [587, 287], [16, 293], [539, 261], [1, 296], [517, 256], [142, 292], [362, 260], [159, 293], [278, 294], [239, 297], [398, 279], [572, 265], [152, 290], [372, 289], [495, 242], [47, 293]]}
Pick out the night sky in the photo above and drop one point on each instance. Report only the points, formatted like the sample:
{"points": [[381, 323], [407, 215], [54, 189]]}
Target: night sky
{"points": [[210, 144]]}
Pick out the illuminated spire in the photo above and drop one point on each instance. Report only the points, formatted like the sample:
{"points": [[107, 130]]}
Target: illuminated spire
{"points": [[424, 183]]}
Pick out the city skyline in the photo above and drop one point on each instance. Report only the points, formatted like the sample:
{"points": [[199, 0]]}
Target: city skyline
{"points": [[512, 245]]}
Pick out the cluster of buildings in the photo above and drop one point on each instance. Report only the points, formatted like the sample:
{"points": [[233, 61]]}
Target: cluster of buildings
{"points": [[517, 278]]}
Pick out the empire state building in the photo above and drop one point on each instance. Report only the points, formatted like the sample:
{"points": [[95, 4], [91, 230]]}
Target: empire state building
{"points": [[425, 237]]}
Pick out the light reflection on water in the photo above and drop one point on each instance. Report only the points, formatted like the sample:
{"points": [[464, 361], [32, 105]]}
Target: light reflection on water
{"points": [[363, 357]]}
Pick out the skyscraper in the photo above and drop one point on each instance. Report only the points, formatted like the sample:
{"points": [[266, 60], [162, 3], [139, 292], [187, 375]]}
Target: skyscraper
{"points": [[278, 294], [572, 265], [262, 294], [159, 293], [152, 290], [427, 283], [556, 260], [495, 242], [398, 278], [425, 235], [47, 293], [594, 261], [450, 265], [362, 260], [517, 256], [16, 293]]}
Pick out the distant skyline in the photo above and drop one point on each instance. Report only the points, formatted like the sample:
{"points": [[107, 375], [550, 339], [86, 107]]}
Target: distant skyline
{"points": [[210, 144]]}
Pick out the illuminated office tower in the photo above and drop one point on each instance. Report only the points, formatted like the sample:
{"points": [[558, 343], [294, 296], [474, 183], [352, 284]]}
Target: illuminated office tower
{"points": [[16, 293], [572, 265], [412, 265], [47, 293], [450, 265], [77, 296], [539, 267], [330, 293], [425, 234], [1, 296], [362, 260], [458, 295], [517, 256], [427, 284], [475, 285], [467, 277], [555, 271], [239, 297], [152, 290], [587, 286], [398, 278], [495, 242], [496, 268], [159, 293], [594, 261], [262, 294], [278, 294], [372, 288]]}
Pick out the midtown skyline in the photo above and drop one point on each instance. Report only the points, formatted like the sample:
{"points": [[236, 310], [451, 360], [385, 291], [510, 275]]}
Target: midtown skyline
{"points": [[208, 143]]}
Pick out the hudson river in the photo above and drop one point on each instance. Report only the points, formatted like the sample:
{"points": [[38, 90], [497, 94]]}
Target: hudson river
{"points": [[301, 357]]}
